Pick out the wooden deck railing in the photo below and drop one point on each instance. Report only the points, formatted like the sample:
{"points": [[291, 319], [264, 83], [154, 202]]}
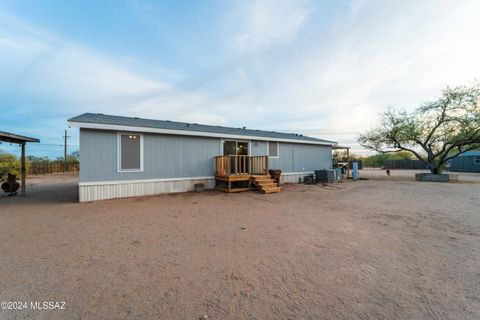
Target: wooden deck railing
{"points": [[259, 165], [240, 165]]}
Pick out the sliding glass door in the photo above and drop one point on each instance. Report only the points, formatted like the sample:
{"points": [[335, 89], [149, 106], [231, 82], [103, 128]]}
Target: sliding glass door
{"points": [[235, 148], [239, 152]]}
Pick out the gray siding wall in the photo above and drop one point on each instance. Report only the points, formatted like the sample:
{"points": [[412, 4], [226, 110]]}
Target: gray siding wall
{"points": [[294, 157], [165, 156], [258, 148], [169, 156], [465, 164]]}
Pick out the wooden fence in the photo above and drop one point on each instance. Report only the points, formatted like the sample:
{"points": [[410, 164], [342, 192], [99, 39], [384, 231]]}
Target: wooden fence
{"points": [[36, 168], [405, 164]]}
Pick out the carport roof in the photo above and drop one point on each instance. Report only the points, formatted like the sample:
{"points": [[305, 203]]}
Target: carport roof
{"points": [[16, 138]]}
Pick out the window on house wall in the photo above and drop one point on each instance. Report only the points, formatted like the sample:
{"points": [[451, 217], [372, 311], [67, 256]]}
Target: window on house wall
{"points": [[130, 155], [477, 159], [273, 149]]}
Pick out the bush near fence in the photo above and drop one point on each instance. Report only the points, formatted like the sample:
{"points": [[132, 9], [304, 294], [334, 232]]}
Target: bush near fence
{"points": [[36, 168], [9, 163]]}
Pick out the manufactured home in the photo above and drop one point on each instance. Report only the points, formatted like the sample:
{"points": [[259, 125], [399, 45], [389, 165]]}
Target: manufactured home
{"points": [[466, 162], [125, 156]]}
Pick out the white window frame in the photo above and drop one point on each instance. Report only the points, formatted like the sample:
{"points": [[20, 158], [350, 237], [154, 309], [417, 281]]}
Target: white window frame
{"points": [[119, 151], [476, 160], [278, 150]]}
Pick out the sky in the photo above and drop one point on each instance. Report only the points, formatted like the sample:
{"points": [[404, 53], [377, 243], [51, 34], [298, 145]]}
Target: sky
{"points": [[321, 68]]}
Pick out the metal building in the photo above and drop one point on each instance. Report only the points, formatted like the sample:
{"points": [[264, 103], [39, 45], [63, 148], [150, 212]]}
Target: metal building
{"points": [[466, 162]]}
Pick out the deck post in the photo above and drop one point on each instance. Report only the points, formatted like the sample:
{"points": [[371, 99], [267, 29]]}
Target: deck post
{"points": [[229, 164], [23, 170]]}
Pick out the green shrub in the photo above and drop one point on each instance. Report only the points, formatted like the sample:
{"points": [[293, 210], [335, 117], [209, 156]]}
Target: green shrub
{"points": [[9, 164]]}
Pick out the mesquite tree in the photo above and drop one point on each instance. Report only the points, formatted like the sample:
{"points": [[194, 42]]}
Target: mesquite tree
{"points": [[435, 132]]}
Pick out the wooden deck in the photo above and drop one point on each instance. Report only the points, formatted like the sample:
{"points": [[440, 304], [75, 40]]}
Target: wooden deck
{"points": [[232, 177], [243, 173], [239, 183], [234, 183]]}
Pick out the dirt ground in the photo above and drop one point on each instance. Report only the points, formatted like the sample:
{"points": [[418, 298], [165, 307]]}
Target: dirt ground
{"points": [[383, 248]]}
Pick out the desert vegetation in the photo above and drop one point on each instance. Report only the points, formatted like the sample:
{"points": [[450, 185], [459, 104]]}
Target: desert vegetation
{"points": [[9, 163], [435, 132]]}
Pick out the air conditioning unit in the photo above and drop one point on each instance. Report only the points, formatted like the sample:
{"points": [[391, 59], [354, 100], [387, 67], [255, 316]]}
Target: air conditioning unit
{"points": [[325, 176]]}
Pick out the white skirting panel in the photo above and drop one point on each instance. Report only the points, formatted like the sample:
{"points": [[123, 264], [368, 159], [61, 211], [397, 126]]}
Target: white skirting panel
{"points": [[121, 189], [292, 177]]}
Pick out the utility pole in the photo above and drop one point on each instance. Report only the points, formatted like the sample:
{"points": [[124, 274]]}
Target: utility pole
{"points": [[65, 146]]}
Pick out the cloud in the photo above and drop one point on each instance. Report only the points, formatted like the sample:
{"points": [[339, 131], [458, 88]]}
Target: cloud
{"points": [[53, 78], [265, 23], [49, 68], [376, 54], [399, 53]]}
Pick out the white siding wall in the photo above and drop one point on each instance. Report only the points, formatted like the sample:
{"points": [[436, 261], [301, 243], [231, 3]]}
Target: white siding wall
{"points": [[123, 189]]}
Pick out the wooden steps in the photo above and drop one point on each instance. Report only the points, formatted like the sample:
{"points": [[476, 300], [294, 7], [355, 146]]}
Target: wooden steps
{"points": [[269, 185], [271, 190], [265, 184]]}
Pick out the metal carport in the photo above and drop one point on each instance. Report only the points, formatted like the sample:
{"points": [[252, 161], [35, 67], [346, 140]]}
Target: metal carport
{"points": [[21, 140]]}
